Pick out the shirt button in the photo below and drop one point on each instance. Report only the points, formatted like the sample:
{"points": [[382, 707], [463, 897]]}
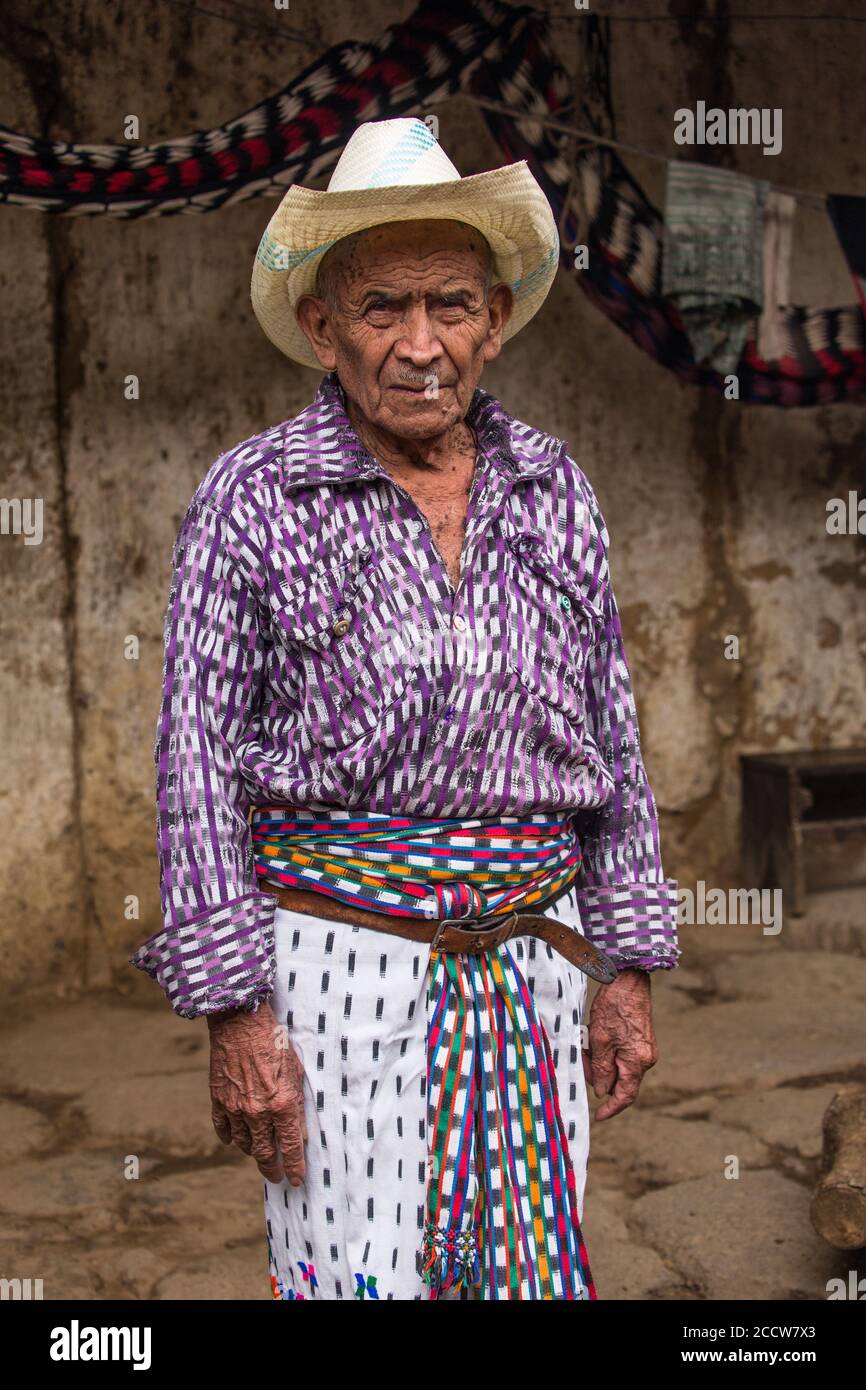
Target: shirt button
{"points": [[448, 712], [459, 624], [340, 627], [564, 601]]}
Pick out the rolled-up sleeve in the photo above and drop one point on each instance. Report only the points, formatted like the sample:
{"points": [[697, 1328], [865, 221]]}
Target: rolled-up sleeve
{"points": [[627, 906], [216, 947]]}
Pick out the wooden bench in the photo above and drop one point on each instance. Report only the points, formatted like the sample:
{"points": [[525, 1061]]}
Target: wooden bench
{"points": [[790, 799]]}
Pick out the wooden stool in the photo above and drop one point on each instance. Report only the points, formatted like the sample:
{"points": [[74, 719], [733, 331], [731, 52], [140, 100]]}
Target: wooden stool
{"points": [[788, 800]]}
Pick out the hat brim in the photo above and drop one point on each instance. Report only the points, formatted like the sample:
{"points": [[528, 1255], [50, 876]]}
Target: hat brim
{"points": [[507, 206]]}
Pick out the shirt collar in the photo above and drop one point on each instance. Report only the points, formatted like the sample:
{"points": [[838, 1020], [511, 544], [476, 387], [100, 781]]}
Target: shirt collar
{"points": [[322, 446]]}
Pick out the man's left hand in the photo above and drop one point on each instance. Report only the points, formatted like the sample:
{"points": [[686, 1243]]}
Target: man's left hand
{"points": [[622, 1043]]}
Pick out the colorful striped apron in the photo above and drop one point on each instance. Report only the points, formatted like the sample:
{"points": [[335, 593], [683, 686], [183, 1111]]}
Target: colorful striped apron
{"points": [[501, 1196]]}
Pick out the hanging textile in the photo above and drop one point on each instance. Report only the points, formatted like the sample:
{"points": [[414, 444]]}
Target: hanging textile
{"points": [[823, 357], [712, 262], [777, 237], [292, 137]]}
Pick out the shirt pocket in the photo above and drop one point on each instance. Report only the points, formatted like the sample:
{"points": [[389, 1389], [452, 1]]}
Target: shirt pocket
{"points": [[554, 622], [322, 623]]}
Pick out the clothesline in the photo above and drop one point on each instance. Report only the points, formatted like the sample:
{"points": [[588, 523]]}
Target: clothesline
{"points": [[592, 138], [272, 26], [702, 19]]}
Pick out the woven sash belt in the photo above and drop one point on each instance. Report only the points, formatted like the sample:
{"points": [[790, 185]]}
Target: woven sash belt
{"points": [[501, 1211]]}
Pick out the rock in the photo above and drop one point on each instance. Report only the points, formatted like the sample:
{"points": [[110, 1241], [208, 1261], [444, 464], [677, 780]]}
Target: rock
{"points": [[167, 1115], [208, 1207], [645, 1149], [70, 1046], [834, 920], [749, 1238], [789, 1116], [243, 1277], [620, 1268], [774, 1027], [66, 1189], [701, 1107], [136, 1272], [65, 1273]]}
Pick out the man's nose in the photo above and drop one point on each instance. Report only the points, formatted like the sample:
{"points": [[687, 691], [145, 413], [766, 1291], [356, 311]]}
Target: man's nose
{"points": [[418, 342]]}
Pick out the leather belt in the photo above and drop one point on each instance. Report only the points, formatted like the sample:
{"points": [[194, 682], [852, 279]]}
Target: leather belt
{"points": [[446, 935]]}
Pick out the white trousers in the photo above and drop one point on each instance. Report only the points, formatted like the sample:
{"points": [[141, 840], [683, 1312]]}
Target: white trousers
{"points": [[355, 1005]]}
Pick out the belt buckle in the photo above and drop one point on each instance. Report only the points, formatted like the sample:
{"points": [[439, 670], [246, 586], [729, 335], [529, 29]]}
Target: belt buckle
{"points": [[444, 922], [473, 924], [463, 923]]}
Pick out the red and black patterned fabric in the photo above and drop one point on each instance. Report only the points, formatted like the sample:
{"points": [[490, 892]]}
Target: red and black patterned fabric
{"points": [[489, 49], [291, 137]]}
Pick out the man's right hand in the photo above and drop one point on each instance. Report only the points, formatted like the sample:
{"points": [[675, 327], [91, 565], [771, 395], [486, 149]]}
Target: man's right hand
{"points": [[257, 1091]]}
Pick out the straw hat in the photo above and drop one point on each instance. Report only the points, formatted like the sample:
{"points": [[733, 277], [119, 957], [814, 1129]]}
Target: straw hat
{"points": [[395, 171]]}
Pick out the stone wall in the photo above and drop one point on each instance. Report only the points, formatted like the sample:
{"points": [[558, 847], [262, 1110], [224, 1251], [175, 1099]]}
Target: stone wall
{"points": [[716, 510]]}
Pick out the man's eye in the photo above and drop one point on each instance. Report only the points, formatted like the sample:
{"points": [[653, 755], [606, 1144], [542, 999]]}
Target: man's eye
{"points": [[378, 306]]}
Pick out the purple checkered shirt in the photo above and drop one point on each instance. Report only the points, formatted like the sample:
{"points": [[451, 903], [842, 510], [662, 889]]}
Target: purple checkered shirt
{"points": [[317, 653]]}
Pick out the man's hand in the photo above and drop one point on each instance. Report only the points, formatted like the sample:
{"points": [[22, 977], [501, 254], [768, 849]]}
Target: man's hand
{"points": [[622, 1044], [257, 1091]]}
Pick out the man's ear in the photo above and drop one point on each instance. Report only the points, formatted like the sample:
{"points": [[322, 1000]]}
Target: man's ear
{"points": [[500, 302], [313, 315]]}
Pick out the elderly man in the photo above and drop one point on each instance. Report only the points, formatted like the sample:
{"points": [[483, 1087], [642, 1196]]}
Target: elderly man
{"points": [[397, 723]]}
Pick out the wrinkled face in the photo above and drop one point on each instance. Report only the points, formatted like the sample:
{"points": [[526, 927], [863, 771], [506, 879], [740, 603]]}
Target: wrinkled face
{"points": [[407, 317]]}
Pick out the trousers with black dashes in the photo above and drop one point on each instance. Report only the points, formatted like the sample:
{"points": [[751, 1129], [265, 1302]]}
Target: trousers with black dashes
{"points": [[354, 1002]]}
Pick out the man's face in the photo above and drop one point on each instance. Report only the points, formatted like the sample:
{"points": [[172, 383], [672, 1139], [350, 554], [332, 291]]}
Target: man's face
{"points": [[407, 321]]}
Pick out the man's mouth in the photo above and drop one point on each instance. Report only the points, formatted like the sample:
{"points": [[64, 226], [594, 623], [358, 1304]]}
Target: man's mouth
{"points": [[412, 390]]}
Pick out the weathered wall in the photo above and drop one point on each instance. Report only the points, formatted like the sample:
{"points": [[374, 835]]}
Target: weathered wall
{"points": [[716, 510]]}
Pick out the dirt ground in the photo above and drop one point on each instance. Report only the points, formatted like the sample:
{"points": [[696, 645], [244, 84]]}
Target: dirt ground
{"points": [[113, 1184]]}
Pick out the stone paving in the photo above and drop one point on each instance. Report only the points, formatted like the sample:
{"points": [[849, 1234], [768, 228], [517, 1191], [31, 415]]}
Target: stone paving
{"points": [[754, 1040]]}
